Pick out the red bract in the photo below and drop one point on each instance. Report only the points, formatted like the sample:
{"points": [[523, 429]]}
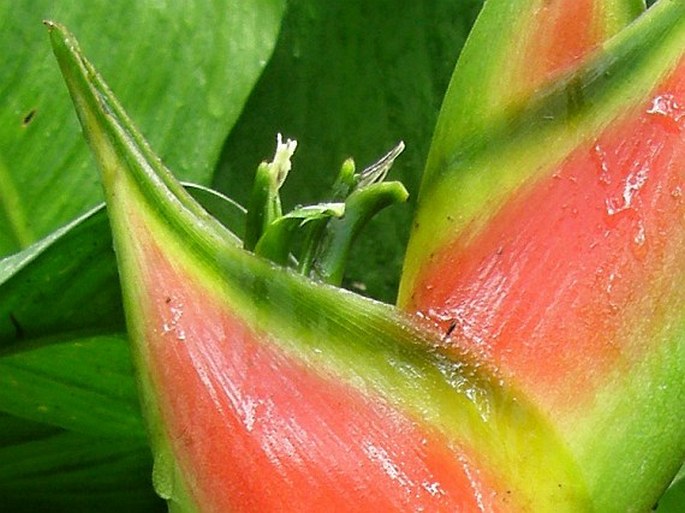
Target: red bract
{"points": [[563, 268], [259, 430], [587, 257]]}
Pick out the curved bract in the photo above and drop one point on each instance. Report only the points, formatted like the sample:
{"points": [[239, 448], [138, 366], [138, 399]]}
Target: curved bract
{"points": [[559, 255], [265, 391], [466, 183], [515, 48]]}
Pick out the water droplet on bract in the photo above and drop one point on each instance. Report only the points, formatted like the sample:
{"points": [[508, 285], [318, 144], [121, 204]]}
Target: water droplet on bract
{"points": [[610, 283], [433, 488], [600, 157], [640, 238], [667, 107], [633, 184], [163, 475], [639, 248]]}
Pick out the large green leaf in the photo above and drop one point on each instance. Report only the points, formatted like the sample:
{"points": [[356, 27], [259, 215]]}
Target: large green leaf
{"points": [[43, 469], [84, 385], [184, 68], [65, 286], [360, 77]]}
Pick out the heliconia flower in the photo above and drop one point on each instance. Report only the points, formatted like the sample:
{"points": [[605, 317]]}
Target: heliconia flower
{"points": [[552, 243], [267, 392]]}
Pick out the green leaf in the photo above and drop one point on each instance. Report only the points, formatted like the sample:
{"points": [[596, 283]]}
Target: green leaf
{"points": [[195, 65], [84, 385], [66, 285], [51, 378], [361, 76], [47, 469]]}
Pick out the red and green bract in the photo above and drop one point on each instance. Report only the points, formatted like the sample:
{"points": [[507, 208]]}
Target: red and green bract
{"points": [[259, 430], [563, 266], [580, 259]]}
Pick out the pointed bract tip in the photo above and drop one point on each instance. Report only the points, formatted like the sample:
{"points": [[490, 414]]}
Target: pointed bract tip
{"points": [[61, 37], [55, 27]]}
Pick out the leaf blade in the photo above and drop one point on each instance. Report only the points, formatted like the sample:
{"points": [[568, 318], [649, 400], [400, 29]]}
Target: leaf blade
{"points": [[199, 58]]}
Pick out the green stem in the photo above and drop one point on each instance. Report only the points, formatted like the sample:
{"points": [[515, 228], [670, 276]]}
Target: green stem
{"points": [[276, 241], [328, 264]]}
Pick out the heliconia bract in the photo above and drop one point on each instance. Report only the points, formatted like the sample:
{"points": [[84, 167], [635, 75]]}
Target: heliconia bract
{"points": [[514, 48], [551, 241], [265, 391]]}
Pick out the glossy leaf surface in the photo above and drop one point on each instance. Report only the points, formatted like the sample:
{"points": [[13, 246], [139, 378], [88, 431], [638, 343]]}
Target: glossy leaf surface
{"points": [[195, 64]]}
